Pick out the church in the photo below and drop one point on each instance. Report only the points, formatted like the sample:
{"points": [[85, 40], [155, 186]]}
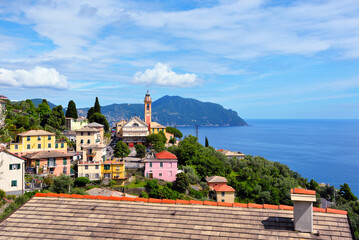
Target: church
{"points": [[135, 130]]}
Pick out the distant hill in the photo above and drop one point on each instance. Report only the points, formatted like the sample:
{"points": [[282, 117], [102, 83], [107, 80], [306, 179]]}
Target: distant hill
{"points": [[174, 111], [37, 101]]}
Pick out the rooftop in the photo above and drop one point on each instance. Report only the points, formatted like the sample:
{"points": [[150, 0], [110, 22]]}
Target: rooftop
{"points": [[87, 129], [95, 125], [223, 188], [216, 179], [64, 216], [47, 154], [165, 155], [36, 133], [156, 125]]}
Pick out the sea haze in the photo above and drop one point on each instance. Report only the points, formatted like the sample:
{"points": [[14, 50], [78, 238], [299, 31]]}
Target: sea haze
{"points": [[325, 150]]}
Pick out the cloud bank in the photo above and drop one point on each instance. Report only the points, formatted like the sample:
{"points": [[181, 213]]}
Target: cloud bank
{"points": [[37, 77], [163, 75]]}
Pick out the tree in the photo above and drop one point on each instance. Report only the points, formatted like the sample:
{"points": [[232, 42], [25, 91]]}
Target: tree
{"points": [[62, 184], [101, 119], [157, 141], [172, 140], [90, 112], [81, 181], [182, 183], [346, 193], [71, 110], [43, 108], [191, 174], [206, 142], [97, 106], [121, 150], [177, 133], [140, 151]]}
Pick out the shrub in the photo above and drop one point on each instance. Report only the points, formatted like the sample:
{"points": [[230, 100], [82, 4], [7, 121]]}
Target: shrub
{"points": [[81, 181], [79, 191], [2, 194], [143, 194], [112, 183], [195, 193], [61, 184]]}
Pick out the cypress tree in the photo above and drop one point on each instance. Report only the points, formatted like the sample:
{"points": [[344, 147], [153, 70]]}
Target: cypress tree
{"points": [[206, 142], [90, 112], [97, 106], [71, 110], [45, 101]]}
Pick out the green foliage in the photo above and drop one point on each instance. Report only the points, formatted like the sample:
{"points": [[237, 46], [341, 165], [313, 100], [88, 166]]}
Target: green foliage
{"points": [[61, 184], [81, 181], [71, 110], [346, 193], [196, 194], [144, 195], [157, 141], [182, 183], [101, 119], [140, 151], [43, 108], [112, 183], [172, 141], [172, 149], [121, 150], [2, 194], [154, 190], [177, 133], [79, 191], [191, 174], [206, 142], [90, 112], [18, 202], [97, 106]]}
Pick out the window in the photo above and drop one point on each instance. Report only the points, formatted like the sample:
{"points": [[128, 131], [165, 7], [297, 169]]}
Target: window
{"points": [[56, 145], [170, 165], [13, 183], [82, 133], [170, 173], [64, 160], [150, 164], [64, 170], [161, 164], [62, 145], [14, 166], [86, 167], [86, 175], [16, 147], [38, 145], [96, 167], [28, 146], [28, 138], [82, 141], [88, 141], [148, 107], [38, 138], [97, 176], [146, 175], [49, 145], [117, 168], [88, 133], [160, 174], [106, 167], [49, 138], [222, 200], [223, 193]]}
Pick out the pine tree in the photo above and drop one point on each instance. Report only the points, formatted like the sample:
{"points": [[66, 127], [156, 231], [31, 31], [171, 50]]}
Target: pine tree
{"points": [[71, 110], [206, 142], [97, 106]]}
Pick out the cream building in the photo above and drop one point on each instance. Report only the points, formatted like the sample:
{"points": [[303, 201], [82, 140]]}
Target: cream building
{"points": [[134, 132], [12, 172], [76, 124], [91, 170]]}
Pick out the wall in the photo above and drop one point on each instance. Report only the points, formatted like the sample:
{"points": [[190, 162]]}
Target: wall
{"points": [[85, 137], [168, 167], [228, 197], [91, 171], [59, 167], [7, 175]]}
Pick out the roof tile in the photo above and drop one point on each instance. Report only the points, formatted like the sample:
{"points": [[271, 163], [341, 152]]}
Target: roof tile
{"points": [[254, 205], [302, 191], [165, 155]]}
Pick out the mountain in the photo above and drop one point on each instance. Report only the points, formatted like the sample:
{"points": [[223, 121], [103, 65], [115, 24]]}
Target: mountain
{"points": [[37, 101], [174, 111]]}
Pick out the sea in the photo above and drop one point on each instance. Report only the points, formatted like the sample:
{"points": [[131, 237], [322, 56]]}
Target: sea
{"points": [[324, 150]]}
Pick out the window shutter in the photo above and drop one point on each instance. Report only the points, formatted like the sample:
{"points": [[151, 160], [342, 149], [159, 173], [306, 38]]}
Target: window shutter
{"points": [[10, 166], [18, 166]]}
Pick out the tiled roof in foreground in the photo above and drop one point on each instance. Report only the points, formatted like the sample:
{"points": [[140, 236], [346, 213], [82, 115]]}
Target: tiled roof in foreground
{"points": [[88, 217]]}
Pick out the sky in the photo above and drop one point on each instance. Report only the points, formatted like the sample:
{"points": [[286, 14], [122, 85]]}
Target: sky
{"points": [[264, 59]]}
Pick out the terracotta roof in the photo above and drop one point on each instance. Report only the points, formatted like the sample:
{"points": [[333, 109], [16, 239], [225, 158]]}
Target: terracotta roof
{"points": [[13, 154], [94, 145], [87, 129], [47, 154], [223, 188], [216, 179], [156, 125], [95, 124], [302, 191], [64, 216], [36, 133], [165, 155]]}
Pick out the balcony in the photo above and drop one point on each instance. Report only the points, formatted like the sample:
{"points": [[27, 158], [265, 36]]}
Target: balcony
{"points": [[51, 165]]}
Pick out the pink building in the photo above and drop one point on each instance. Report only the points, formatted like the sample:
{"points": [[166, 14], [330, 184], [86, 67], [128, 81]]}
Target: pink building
{"points": [[163, 167]]}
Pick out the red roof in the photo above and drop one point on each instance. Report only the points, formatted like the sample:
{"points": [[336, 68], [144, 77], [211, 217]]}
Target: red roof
{"points": [[223, 188], [165, 155]]}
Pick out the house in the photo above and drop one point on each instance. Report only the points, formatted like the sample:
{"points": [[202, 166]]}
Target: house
{"points": [[232, 154], [86, 136], [76, 124], [220, 190], [134, 132], [163, 166], [35, 141], [12, 173], [100, 128], [114, 170], [65, 216], [49, 162], [118, 128], [156, 128], [91, 170]]}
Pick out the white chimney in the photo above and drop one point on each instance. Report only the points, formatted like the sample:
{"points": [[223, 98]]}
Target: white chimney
{"points": [[303, 209]]}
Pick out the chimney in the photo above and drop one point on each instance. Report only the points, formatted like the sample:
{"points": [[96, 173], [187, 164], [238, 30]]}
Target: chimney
{"points": [[303, 209]]}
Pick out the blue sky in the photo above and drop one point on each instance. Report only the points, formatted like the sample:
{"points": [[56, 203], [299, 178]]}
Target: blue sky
{"points": [[261, 58]]}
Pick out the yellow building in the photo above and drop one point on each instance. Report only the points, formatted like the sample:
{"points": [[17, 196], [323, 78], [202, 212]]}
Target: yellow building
{"points": [[156, 128], [114, 170], [36, 141]]}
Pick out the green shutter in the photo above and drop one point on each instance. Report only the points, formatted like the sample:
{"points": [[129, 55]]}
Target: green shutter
{"points": [[48, 162], [18, 166], [10, 166]]}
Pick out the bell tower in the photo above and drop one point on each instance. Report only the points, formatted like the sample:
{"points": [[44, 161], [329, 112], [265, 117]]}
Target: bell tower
{"points": [[148, 110]]}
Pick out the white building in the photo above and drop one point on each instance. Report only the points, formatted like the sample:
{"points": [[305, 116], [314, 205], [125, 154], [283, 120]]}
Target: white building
{"points": [[12, 173]]}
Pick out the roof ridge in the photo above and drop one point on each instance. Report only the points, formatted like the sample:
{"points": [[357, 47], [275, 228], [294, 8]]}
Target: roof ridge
{"points": [[188, 202]]}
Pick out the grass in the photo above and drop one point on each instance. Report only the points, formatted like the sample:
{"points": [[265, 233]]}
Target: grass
{"points": [[136, 185]]}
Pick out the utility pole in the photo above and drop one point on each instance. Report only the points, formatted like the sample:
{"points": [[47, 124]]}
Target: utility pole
{"points": [[196, 131]]}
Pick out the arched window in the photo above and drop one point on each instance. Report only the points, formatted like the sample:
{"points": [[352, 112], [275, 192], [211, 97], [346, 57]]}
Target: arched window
{"points": [[86, 175], [135, 125]]}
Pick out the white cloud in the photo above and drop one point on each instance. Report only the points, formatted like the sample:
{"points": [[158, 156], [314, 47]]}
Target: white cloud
{"points": [[163, 75], [37, 77]]}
